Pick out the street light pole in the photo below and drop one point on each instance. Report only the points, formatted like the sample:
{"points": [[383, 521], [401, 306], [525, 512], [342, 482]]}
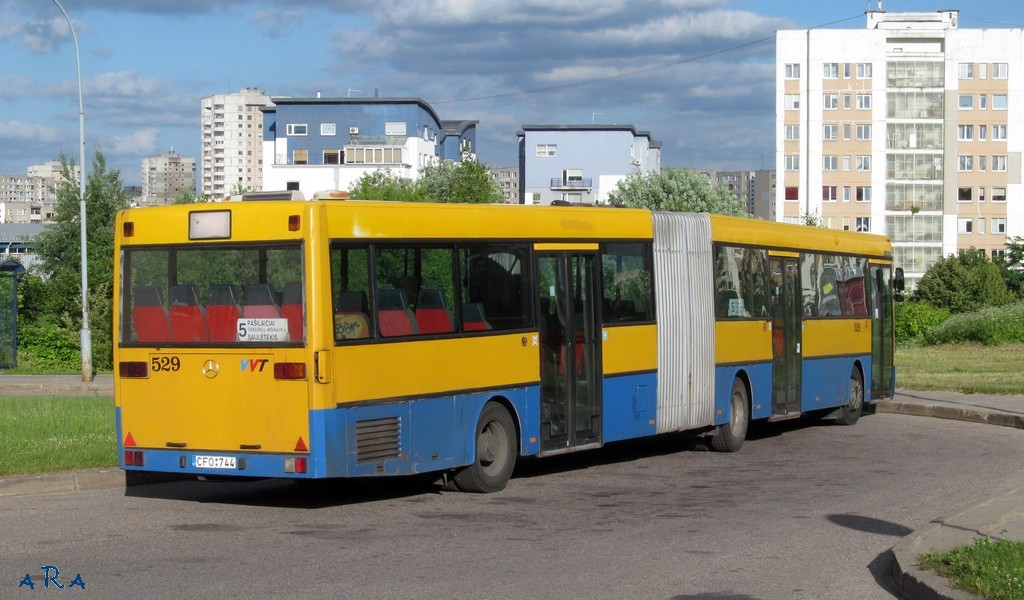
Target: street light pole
{"points": [[86, 334]]}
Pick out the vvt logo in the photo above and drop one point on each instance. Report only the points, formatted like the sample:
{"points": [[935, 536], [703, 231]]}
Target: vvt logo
{"points": [[255, 365]]}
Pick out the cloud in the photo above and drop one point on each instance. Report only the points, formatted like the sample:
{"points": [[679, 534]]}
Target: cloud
{"points": [[20, 132], [138, 143], [275, 22]]}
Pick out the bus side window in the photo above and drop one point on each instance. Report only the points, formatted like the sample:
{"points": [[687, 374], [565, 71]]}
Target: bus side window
{"points": [[432, 315], [259, 302], [188, 321], [223, 312], [350, 318]]}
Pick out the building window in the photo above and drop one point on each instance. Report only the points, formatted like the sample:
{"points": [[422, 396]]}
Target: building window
{"points": [[847, 128], [864, 101], [966, 70], [828, 193], [999, 194], [547, 150], [982, 101], [333, 157], [300, 157], [847, 192], [830, 163], [966, 101], [846, 163], [847, 101], [998, 255], [965, 163], [792, 162], [863, 70], [864, 162], [1000, 71], [863, 224], [982, 132], [863, 132], [830, 101], [792, 101], [830, 132], [998, 225], [328, 129], [296, 129], [981, 224], [981, 194], [965, 133], [964, 225], [792, 70], [964, 194], [792, 132], [863, 193], [999, 133], [831, 71], [792, 193], [999, 102], [999, 163]]}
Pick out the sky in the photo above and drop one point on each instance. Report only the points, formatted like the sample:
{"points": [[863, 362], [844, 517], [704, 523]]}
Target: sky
{"points": [[697, 74]]}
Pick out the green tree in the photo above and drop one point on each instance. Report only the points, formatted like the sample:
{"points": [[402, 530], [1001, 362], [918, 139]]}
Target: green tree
{"points": [[187, 196], [383, 184], [465, 181], [59, 250], [963, 282], [1012, 265], [675, 190]]}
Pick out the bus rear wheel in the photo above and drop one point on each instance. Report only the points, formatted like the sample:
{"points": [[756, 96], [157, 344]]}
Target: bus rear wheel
{"points": [[495, 455], [849, 414], [730, 436]]}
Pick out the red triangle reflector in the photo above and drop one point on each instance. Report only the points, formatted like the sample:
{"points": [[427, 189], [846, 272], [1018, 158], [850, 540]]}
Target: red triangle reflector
{"points": [[129, 441], [300, 446]]}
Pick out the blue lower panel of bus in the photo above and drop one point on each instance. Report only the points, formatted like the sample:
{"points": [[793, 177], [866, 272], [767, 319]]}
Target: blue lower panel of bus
{"points": [[397, 438], [630, 406], [759, 379], [826, 381]]}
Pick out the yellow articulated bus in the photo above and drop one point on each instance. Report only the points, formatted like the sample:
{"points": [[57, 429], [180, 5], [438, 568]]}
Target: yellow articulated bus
{"points": [[348, 339]]}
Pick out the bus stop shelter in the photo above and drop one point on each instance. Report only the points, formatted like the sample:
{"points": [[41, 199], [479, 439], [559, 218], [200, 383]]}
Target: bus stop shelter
{"points": [[9, 271]]}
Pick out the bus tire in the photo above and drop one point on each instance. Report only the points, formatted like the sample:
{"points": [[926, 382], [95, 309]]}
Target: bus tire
{"points": [[495, 454], [850, 413], [730, 435]]}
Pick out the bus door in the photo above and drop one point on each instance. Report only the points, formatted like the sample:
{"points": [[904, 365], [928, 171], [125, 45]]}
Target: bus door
{"points": [[787, 329], [570, 361], [882, 331]]}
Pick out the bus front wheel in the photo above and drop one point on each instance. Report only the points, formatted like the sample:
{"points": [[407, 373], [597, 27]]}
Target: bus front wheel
{"points": [[730, 435], [849, 414], [495, 455]]}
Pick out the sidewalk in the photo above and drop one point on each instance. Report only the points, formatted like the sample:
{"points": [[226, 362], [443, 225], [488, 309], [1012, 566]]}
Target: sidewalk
{"points": [[999, 516]]}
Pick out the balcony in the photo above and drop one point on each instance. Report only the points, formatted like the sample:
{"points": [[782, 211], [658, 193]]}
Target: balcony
{"points": [[583, 183]]}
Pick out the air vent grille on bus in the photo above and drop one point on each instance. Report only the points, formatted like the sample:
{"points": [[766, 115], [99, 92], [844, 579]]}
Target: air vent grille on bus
{"points": [[377, 439]]}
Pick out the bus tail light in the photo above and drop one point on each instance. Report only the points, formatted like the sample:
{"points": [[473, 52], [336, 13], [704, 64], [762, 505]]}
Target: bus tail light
{"points": [[290, 370], [133, 369], [134, 458], [296, 465]]}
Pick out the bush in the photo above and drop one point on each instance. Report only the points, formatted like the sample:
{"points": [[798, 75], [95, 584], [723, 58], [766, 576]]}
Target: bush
{"points": [[964, 282], [991, 326], [48, 346], [915, 319]]}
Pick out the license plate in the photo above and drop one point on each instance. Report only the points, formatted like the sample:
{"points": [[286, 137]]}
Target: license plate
{"points": [[214, 462]]}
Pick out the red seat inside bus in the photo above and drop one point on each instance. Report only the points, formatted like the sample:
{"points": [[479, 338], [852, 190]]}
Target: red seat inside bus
{"points": [[188, 320], [149, 315], [393, 311], [432, 316], [259, 302], [223, 312], [291, 309], [473, 317]]}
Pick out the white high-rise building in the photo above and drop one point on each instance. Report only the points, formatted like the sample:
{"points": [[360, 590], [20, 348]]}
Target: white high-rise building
{"points": [[911, 127], [232, 149], [166, 176]]}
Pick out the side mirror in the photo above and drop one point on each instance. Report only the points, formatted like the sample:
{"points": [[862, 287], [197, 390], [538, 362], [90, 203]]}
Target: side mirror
{"points": [[900, 285]]}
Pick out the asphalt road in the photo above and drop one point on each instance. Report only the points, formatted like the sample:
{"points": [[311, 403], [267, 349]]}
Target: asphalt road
{"points": [[802, 511]]}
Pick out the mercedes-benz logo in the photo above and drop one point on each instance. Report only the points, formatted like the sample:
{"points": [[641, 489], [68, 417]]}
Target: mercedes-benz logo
{"points": [[211, 368]]}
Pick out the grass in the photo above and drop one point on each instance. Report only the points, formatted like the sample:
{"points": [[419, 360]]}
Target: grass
{"points": [[967, 368], [46, 433], [992, 569]]}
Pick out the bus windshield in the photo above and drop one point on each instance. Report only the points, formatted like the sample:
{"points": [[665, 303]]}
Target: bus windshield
{"points": [[216, 293]]}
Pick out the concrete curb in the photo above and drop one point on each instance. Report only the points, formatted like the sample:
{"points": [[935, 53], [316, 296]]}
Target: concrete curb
{"points": [[957, 413], [55, 483]]}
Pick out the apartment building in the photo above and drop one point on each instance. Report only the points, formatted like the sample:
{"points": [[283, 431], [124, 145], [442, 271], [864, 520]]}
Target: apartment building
{"points": [[911, 127], [166, 176], [581, 164], [31, 198], [507, 179], [232, 142], [326, 144]]}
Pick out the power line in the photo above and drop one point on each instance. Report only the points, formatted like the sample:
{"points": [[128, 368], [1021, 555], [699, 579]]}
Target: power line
{"points": [[635, 73]]}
